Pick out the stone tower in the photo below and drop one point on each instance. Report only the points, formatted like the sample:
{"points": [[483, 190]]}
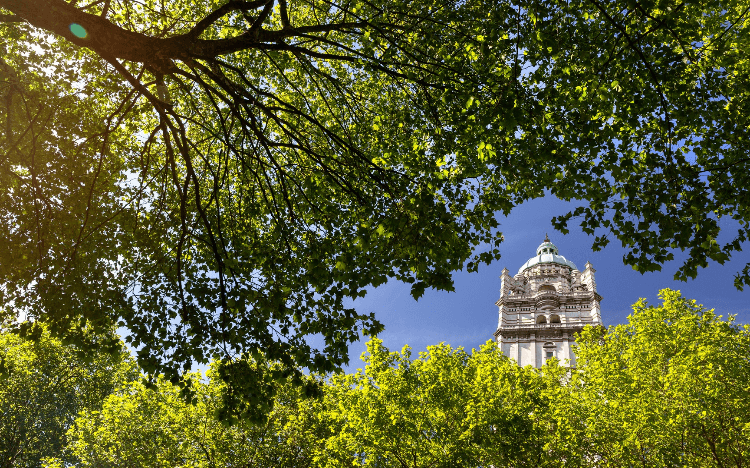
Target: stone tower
{"points": [[543, 306]]}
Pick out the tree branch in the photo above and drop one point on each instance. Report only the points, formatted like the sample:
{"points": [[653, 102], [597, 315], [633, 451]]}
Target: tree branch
{"points": [[228, 7], [284, 15], [11, 19], [255, 29]]}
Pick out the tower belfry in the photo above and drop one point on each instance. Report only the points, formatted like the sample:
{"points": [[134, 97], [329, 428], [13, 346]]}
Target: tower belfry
{"points": [[543, 306]]}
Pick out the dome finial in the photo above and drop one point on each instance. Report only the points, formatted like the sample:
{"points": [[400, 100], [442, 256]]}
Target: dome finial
{"points": [[546, 237]]}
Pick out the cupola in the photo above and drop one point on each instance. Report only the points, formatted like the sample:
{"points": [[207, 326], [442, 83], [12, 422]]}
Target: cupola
{"points": [[547, 253]]}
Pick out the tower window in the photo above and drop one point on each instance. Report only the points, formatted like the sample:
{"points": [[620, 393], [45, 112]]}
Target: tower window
{"points": [[549, 350]]}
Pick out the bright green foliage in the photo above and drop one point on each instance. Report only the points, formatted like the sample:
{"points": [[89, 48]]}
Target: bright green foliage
{"points": [[670, 388], [399, 412], [220, 176], [445, 408], [155, 427], [510, 412], [43, 386]]}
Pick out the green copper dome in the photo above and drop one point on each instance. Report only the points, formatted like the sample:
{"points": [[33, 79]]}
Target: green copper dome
{"points": [[547, 253]]}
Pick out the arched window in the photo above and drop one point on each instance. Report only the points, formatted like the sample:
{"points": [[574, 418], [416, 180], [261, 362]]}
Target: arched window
{"points": [[549, 350], [554, 318], [541, 319], [547, 287]]}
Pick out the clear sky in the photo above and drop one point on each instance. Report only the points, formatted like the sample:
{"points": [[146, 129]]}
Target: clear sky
{"points": [[468, 317]]}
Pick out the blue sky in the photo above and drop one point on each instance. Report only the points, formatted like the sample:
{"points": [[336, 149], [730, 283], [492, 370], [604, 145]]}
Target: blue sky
{"points": [[468, 316]]}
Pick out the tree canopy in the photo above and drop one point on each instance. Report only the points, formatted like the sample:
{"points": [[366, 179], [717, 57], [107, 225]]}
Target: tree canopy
{"points": [[44, 384], [218, 177], [668, 388], [446, 407], [155, 427]]}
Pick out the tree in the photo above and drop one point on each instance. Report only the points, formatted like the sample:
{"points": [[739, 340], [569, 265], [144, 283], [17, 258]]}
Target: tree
{"points": [[43, 386], [669, 388], [156, 427], [643, 103], [224, 194], [218, 177], [445, 408], [511, 412], [402, 413]]}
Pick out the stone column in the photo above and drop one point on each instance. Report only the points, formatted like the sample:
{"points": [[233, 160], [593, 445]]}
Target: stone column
{"points": [[518, 348], [566, 352]]}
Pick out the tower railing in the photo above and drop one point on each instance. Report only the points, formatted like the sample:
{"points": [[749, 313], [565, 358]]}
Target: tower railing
{"points": [[525, 326], [550, 293]]}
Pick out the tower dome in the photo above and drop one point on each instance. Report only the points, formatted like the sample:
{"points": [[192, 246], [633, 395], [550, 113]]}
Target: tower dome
{"points": [[547, 253], [541, 309]]}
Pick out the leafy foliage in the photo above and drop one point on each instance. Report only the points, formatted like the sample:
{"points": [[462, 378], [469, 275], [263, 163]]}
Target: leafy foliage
{"points": [[642, 104], [43, 386], [445, 408], [231, 191], [669, 388], [219, 177], [155, 427]]}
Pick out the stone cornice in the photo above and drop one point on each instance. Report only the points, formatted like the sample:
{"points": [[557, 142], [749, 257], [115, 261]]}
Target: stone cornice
{"points": [[563, 297], [542, 327]]}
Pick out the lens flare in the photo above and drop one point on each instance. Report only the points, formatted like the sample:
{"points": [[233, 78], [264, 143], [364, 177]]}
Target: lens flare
{"points": [[78, 31]]}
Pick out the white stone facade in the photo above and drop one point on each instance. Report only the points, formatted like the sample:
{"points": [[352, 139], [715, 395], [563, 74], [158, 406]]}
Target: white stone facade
{"points": [[543, 306]]}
